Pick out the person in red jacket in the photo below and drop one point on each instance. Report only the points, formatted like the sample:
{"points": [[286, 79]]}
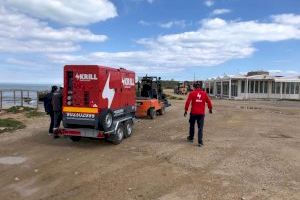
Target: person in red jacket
{"points": [[198, 98]]}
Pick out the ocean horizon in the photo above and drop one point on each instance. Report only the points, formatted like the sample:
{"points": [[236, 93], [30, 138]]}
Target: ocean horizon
{"points": [[26, 86]]}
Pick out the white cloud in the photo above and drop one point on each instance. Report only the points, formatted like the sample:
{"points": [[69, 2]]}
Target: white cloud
{"points": [[291, 19], [275, 71], [214, 43], [30, 46], [19, 32], [23, 64], [144, 23], [209, 3], [220, 11], [170, 24], [72, 12]]}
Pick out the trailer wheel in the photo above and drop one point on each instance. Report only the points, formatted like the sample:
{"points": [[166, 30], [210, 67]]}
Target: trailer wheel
{"points": [[75, 138], [162, 111], [119, 134], [128, 128], [152, 113], [106, 119]]}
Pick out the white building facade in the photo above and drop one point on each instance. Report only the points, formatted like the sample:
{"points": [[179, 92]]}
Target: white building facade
{"points": [[262, 86]]}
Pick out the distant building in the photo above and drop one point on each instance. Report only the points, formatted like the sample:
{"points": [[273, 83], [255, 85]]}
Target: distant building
{"points": [[254, 85]]}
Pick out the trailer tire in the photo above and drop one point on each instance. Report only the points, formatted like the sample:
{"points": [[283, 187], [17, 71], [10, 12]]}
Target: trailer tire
{"points": [[128, 126], [75, 138], [119, 135], [152, 113], [106, 119]]}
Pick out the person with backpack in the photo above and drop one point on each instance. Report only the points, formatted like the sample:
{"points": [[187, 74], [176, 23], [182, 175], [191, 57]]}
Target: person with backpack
{"points": [[57, 101], [49, 108]]}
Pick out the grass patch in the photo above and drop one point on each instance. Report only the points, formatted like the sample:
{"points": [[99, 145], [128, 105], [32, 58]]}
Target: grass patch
{"points": [[174, 97], [34, 113], [29, 112], [9, 125], [19, 109]]}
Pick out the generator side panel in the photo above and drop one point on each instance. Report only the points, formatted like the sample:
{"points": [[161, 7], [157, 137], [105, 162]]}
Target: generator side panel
{"points": [[129, 89]]}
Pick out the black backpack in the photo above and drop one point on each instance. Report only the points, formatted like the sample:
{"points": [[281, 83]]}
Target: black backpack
{"points": [[48, 103]]}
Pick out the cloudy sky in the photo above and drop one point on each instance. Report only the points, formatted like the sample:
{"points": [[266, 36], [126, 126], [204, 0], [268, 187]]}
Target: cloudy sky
{"points": [[173, 39]]}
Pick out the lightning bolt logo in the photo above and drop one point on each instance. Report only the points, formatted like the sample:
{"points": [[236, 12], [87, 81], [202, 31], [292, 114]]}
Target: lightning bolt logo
{"points": [[199, 96], [108, 93]]}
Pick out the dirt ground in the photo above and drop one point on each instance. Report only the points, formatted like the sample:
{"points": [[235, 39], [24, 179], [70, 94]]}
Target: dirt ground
{"points": [[251, 151]]}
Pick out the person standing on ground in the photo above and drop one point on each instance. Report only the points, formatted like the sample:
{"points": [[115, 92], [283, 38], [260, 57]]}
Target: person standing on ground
{"points": [[49, 108], [57, 101], [198, 98]]}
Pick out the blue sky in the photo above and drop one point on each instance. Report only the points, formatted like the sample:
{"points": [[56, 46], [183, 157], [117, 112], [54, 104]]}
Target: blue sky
{"points": [[172, 39]]}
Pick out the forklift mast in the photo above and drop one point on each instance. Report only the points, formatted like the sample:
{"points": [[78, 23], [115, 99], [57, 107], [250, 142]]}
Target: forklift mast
{"points": [[150, 87]]}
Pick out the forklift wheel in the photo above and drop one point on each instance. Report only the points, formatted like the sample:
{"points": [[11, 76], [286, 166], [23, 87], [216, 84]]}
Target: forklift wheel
{"points": [[152, 113], [75, 138], [162, 111], [128, 128]]}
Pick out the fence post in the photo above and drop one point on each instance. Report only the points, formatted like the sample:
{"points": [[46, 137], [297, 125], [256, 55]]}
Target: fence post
{"points": [[37, 100], [21, 98], [0, 100], [14, 97]]}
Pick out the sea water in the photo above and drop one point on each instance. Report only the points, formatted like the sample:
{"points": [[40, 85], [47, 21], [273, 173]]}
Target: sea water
{"points": [[25, 86], [11, 98]]}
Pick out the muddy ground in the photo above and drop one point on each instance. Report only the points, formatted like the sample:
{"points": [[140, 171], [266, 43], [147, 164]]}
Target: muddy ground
{"points": [[251, 151]]}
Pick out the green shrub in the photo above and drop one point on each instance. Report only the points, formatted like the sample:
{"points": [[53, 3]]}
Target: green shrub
{"points": [[19, 109], [34, 113], [9, 125]]}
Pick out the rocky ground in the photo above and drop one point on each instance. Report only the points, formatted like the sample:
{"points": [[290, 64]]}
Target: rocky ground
{"points": [[251, 151]]}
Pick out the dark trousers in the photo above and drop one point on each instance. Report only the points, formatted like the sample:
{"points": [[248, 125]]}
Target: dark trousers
{"points": [[57, 118], [51, 114], [200, 123]]}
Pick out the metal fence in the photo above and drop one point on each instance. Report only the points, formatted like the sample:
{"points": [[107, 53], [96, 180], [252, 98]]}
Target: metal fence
{"points": [[27, 98]]}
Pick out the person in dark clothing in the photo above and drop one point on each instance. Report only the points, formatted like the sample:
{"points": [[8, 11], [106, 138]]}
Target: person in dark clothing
{"points": [[198, 98], [57, 109], [49, 108]]}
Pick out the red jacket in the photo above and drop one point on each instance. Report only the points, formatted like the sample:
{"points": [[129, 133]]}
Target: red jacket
{"points": [[198, 98]]}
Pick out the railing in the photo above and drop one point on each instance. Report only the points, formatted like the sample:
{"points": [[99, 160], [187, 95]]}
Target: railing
{"points": [[28, 98]]}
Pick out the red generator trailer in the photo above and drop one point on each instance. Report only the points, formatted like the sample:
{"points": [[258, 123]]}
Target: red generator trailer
{"points": [[98, 102]]}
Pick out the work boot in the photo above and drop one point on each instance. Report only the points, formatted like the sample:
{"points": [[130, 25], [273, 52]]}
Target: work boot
{"points": [[55, 137], [189, 139], [55, 133]]}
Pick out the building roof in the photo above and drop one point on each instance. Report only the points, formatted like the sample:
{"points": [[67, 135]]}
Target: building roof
{"points": [[257, 77], [287, 79]]}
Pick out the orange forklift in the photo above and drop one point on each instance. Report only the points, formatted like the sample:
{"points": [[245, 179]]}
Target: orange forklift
{"points": [[150, 99]]}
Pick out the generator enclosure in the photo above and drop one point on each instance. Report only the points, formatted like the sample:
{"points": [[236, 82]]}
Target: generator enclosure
{"points": [[92, 91]]}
